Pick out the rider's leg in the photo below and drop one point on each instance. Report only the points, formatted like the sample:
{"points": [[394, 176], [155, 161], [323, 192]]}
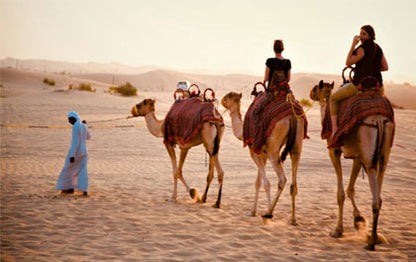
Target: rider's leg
{"points": [[342, 93]]}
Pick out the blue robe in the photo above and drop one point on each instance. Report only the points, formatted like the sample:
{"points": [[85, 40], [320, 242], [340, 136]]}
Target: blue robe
{"points": [[75, 175]]}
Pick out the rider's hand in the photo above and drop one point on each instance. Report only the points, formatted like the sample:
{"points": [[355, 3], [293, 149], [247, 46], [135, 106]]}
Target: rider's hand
{"points": [[355, 40]]}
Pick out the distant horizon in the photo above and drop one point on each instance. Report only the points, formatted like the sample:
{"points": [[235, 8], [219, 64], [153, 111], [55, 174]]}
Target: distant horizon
{"points": [[157, 67]]}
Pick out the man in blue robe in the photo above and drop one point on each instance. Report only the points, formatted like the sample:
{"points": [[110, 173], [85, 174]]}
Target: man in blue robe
{"points": [[74, 175]]}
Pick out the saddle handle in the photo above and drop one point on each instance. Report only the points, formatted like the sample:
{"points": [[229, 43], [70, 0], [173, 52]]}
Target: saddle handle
{"points": [[178, 90], [191, 93], [255, 92], [212, 94], [352, 70]]}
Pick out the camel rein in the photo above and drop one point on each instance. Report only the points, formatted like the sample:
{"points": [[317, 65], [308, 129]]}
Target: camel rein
{"points": [[289, 98], [109, 120]]}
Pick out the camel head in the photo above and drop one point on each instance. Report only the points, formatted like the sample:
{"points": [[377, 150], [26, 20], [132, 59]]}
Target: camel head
{"points": [[144, 107], [232, 101], [321, 92]]}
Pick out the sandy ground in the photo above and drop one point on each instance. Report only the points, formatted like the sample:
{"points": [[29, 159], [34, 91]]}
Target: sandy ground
{"points": [[126, 217]]}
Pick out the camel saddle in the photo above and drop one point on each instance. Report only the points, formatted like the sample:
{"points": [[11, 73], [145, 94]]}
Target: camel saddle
{"points": [[352, 112], [262, 115], [185, 119]]}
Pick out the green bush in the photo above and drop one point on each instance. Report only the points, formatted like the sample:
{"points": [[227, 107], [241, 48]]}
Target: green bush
{"points": [[82, 87], [49, 81], [85, 87], [125, 90], [305, 102]]}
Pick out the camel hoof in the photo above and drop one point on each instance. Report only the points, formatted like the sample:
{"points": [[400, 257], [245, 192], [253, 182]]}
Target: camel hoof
{"points": [[251, 214], [269, 216], [170, 200], [370, 247], [194, 194], [216, 205], [359, 222], [293, 222], [337, 233]]}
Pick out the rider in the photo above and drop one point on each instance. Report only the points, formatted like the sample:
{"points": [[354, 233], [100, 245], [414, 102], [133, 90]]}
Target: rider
{"points": [[277, 72], [369, 61], [277, 76]]}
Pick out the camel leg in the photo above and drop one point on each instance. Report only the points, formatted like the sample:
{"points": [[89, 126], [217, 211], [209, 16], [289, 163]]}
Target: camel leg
{"points": [[368, 141], [295, 158], [209, 133], [376, 205], [260, 161], [376, 179], [182, 157], [358, 219], [294, 187], [277, 165], [335, 156], [210, 176], [220, 173], [172, 155]]}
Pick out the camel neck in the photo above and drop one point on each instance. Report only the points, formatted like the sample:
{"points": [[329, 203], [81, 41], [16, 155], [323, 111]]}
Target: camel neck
{"points": [[153, 124], [237, 123], [323, 105]]}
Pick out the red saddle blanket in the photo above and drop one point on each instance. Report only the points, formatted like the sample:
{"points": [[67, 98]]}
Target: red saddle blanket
{"points": [[186, 117], [352, 111], [263, 114]]}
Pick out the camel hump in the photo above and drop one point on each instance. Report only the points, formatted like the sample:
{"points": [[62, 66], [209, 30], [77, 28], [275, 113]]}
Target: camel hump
{"points": [[264, 112], [353, 110], [186, 117]]}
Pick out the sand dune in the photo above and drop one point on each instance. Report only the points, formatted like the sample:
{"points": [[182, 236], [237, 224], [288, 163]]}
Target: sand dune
{"points": [[152, 78], [126, 217]]}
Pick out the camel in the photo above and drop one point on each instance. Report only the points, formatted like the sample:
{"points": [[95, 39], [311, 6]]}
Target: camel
{"points": [[284, 129], [369, 145], [209, 135]]}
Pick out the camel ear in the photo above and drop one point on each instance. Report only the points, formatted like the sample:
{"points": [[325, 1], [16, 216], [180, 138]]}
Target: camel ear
{"points": [[241, 95], [321, 84], [332, 85], [152, 101]]}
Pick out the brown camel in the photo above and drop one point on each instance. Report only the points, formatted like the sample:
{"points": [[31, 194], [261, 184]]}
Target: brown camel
{"points": [[271, 151], [369, 146], [209, 135]]}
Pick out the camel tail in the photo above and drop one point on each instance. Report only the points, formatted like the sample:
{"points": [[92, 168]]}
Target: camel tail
{"points": [[216, 140], [291, 138], [377, 157]]}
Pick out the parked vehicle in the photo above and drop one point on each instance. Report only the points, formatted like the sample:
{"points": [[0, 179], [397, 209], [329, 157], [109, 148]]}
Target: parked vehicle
{"points": [[184, 85]]}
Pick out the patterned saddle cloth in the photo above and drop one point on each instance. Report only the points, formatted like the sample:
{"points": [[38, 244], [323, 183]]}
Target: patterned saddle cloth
{"points": [[186, 117], [262, 116], [353, 111]]}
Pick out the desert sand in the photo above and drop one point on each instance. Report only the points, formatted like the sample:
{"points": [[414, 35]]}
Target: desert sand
{"points": [[126, 216]]}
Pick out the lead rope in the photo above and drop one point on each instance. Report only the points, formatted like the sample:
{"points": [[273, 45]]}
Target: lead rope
{"points": [[109, 120], [289, 99]]}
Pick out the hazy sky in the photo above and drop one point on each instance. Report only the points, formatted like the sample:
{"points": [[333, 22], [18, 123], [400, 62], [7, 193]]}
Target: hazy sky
{"points": [[213, 36]]}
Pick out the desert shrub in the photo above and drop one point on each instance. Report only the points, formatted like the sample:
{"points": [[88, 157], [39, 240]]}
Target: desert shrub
{"points": [[82, 87], [85, 87], [305, 102], [49, 81], [396, 106], [125, 90]]}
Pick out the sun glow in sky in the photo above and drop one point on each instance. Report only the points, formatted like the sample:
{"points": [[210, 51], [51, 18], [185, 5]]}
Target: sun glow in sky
{"points": [[230, 36]]}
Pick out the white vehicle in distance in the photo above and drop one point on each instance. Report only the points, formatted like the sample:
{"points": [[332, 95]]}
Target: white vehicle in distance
{"points": [[184, 85]]}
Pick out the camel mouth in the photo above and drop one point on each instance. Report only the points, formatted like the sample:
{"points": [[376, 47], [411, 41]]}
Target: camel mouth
{"points": [[312, 94], [223, 103], [134, 112]]}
